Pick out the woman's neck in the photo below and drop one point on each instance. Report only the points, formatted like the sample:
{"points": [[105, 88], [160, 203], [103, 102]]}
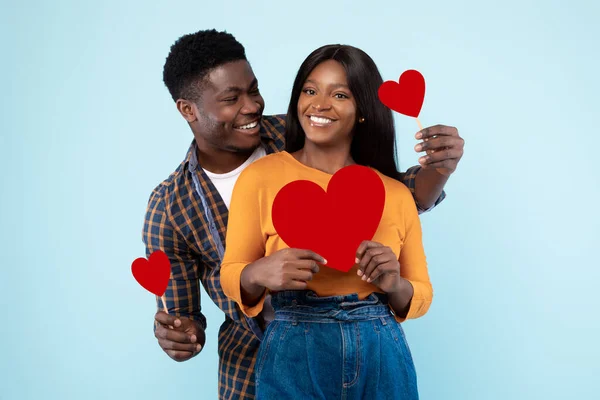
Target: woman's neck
{"points": [[327, 159]]}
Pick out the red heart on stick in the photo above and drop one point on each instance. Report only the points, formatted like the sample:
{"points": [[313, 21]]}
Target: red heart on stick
{"points": [[405, 96], [153, 274], [332, 223]]}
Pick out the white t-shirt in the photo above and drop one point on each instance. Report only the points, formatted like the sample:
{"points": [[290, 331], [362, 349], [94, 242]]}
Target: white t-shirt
{"points": [[224, 184]]}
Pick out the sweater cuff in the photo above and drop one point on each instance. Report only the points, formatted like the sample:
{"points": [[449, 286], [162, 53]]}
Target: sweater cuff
{"points": [[420, 302], [235, 292]]}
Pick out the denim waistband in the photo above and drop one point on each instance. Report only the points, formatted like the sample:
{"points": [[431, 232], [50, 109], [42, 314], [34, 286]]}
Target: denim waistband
{"points": [[306, 306]]}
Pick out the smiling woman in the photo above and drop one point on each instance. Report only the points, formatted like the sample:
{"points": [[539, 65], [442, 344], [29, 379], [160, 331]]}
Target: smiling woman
{"points": [[326, 105], [341, 83], [344, 327]]}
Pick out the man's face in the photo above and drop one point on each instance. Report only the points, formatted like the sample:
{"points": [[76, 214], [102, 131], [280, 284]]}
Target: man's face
{"points": [[229, 110]]}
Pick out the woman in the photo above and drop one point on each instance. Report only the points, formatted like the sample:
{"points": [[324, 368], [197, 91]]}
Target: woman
{"points": [[335, 334]]}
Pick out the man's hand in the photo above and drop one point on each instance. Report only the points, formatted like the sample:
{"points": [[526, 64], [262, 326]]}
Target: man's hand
{"points": [[286, 269], [379, 265], [180, 337], [444, 148]]}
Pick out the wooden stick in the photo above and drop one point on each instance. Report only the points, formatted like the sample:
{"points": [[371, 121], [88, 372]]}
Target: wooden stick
{"points": [[163, 298], [419, 122], [164, 301]]}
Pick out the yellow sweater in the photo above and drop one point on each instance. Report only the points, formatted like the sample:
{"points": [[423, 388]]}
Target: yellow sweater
{"points": [[251, 235]]}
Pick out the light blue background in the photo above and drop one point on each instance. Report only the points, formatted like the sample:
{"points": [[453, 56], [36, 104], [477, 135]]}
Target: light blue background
{"points": [[88, 130]]}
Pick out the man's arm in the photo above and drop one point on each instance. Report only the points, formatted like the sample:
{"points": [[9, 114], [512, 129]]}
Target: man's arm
{"points": [[426, 197], [181, 333], [444, 149]]}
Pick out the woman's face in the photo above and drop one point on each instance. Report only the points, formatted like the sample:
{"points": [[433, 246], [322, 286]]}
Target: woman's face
{"points": [[326, 107]]}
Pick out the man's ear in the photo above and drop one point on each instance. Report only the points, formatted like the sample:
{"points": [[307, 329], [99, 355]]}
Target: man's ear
{"points": [[187, 109]]}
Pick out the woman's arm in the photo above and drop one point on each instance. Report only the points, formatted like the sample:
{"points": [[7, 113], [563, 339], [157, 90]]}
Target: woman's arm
{"points": [[245, 242], [415, 284], [246, 274]]}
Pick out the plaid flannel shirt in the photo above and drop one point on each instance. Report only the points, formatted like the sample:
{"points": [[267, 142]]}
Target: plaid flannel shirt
{"points": [[187, 219]]}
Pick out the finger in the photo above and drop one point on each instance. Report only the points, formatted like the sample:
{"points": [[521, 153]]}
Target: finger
{"points": [[179, 355], [435, 131], [309, 255], [170, 345], [439, 143], [303, 275], [305, 265], [363, 247], [374, 263], [383, 269], [161, 331], [376, 273], [441, 155], [447, 164], [367, 259], [299, 271], [166, 319], [296, 285], [311, 266], [175, 336]]}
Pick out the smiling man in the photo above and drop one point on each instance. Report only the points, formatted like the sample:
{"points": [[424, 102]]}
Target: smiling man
{"points": [[216, 92]]}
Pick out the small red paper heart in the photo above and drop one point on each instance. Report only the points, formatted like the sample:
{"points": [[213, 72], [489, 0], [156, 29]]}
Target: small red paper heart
{"points": [[332, 223], [406, 96], [153, 274]]}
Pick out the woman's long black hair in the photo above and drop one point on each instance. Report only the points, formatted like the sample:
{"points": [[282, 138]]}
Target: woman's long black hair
{"points": [[374, 142]]}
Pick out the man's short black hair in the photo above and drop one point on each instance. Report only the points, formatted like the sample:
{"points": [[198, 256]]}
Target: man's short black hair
{"points": [[193, 56]]}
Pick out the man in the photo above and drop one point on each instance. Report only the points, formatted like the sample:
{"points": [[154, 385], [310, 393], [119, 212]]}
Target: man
{"points": [[216, 92]]}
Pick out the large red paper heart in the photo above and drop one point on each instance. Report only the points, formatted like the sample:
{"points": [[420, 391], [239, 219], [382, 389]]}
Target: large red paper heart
{"points": [[405, 96], [154, 273], [332, 223]]}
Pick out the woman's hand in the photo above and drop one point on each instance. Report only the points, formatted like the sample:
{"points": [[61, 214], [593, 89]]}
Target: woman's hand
{"points": [[379, 265], [286, 269]]}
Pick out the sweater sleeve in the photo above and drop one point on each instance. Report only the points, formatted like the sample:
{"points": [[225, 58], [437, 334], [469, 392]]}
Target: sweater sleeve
{"points": [[245, 239], [413, 263]]}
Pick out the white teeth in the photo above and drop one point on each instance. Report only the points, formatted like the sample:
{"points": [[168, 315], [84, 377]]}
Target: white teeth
{"points": [[249, 126], [320, 120]]}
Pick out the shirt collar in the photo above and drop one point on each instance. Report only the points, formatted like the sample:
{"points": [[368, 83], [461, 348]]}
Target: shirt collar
{"points": [[191, 158]]}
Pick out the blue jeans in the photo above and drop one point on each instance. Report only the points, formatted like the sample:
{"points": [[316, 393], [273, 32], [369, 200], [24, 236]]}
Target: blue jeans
{"points": [[335, 347]]}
